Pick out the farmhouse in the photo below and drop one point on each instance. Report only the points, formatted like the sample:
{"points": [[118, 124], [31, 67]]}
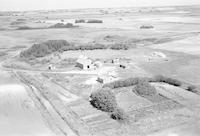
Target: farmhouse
{"points": [[84, 63]]}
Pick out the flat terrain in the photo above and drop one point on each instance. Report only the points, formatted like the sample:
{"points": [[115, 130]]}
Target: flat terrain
{"points": [[37, 101]]}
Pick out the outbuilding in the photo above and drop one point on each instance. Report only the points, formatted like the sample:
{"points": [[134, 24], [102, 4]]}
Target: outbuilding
{"points": [[116, 61], [105, 79]]}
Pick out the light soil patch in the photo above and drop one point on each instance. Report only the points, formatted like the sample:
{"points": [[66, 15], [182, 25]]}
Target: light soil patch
{"points": [[184, 130], [189, 45], [184, 97], [91, 81], [192, 74], [8, 41], [19, 114]]}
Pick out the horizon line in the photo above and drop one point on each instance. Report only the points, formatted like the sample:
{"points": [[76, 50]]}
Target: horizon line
{"points": [[99, 8]]}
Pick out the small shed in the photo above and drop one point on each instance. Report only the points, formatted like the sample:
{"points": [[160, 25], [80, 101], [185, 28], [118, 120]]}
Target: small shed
{"points": [[116, 61], [55, 58], [122, 66], [98, 64], [51, 67]]}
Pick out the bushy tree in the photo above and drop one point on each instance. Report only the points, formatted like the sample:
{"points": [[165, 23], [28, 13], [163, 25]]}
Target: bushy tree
{"points": [[79, 21], [62, 25], [119, 114], [104, 100], [192, 88], [24, 28], [45, 48], [94, 21], [119, 47], [143, 88]]}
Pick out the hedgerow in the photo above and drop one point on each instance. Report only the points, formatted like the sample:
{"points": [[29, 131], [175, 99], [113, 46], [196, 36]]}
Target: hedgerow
{"points": [[171, 81]]}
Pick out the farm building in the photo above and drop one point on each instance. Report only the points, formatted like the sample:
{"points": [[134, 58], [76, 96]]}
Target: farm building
{"points": [[109, 77], [85, 63], [158, 54], [116, 61], [53, 58], [51, 67], [105, 79], [122, 66], [98, 64]]}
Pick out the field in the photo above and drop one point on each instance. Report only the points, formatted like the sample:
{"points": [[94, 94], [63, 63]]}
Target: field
{"points": [[49, 95]]}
